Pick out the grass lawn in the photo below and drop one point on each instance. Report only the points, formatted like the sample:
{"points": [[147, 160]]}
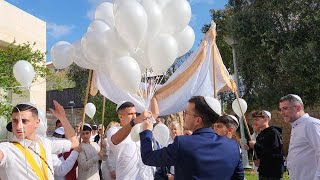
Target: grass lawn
{"points": [[249, 174]]}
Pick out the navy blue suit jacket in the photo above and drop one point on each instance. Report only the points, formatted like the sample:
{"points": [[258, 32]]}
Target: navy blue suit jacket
{"points": [[203, 155]]}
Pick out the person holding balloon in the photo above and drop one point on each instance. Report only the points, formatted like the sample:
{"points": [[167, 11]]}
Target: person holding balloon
{"points": [[128, 163], [202, 155]]}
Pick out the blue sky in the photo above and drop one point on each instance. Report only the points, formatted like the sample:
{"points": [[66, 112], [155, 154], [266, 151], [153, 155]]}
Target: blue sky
{"points": [[67, 20]]}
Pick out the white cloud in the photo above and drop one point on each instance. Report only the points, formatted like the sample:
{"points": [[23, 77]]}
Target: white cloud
{"points": [[93, 4], [57, 31]]}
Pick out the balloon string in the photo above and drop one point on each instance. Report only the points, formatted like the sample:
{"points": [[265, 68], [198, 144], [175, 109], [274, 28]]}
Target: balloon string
{"points": [[86, 99]]}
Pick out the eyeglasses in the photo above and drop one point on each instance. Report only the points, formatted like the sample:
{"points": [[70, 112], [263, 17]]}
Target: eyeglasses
{"points": [[185, 112], [285, 108]]}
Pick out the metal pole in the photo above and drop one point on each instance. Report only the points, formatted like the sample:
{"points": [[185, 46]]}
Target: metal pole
{"points": [[245, 159]]}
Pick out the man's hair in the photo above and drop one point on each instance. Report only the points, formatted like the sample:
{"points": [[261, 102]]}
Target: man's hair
{"points": [[58, 135], [124, 106], [58, 121], [227, 121], [292, 98], [203, 110], [25, 107]]}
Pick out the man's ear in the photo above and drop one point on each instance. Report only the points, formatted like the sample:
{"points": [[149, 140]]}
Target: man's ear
{"points": [[37, 122], [299, 107]]}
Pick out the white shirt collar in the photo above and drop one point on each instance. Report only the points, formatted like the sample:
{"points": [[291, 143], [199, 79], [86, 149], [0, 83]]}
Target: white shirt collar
{"points": [[26, 142], [299, 120]]}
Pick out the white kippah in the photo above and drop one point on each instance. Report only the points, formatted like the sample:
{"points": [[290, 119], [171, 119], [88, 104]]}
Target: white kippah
{"points": [[59, 130], [297, 97], [214, 104], [119, 104], [268, 114], [234, 118]]}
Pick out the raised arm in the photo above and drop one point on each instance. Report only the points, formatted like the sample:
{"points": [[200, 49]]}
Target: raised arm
{"points": [[154, 107], [70, 134]]}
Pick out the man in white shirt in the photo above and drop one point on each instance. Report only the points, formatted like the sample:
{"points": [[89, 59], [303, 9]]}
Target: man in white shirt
{"points": [[303, 161], [28, 156], [129, 165]]}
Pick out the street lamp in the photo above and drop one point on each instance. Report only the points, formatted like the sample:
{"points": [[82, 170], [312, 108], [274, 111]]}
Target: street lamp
{"points": [[231, 42], [71, 104]]}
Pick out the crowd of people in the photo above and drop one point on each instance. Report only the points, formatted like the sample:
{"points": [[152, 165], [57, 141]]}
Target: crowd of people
{"points": [[206, 146]]}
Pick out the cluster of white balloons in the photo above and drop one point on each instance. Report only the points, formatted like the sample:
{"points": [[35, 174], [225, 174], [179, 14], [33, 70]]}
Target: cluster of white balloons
{"points": [[128, 37]]}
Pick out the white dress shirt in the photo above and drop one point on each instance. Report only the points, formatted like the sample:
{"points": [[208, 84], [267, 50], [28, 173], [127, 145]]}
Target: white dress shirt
{"points": [[303, 159], [62, 166], [129, 165], [14, 165]]}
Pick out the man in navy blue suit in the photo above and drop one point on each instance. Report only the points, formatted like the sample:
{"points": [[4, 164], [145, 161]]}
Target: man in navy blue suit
{"points": [[203, 155]]}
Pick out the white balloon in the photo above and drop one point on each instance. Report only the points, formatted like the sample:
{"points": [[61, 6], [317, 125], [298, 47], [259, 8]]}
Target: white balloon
{"points": [[185, 40], [214, 104], [24, 73], [41, 129], [104, 12], [135, 131], [94, 48], [163, 3], [162, 52], [90, 109], [140, 56], [98, 25], [131, 22], [126, 73], [115, 43], [61, 55], [236, 106], [154, 15], [176, 16], [161, 134], [42, 116], [79, 58]]}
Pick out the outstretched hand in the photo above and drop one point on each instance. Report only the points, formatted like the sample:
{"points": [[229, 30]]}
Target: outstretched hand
{"points": [[58, 111]]}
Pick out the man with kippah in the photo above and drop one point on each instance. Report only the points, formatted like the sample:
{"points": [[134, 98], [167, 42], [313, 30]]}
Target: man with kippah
{"points": [[203, 155], [88, 160], [268, 147], [129, 164], [29, 156], [303, 160]]}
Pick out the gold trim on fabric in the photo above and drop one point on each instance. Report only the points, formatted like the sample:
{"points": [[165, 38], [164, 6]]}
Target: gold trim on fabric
{"points": [[176, 84]]}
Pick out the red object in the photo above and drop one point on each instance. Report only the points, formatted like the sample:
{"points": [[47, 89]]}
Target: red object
{"points": [[72, 174]]}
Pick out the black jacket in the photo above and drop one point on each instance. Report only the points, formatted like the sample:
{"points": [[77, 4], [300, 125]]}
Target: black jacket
{"points": [[269, 149]]}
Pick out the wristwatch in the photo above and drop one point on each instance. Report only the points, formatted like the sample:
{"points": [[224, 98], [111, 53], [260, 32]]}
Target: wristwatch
{"points": [[132, 122]]}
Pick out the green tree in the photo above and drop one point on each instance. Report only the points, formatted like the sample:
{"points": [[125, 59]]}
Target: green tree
{"points": [[278, 49], [80, 77], [9, 55]]}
